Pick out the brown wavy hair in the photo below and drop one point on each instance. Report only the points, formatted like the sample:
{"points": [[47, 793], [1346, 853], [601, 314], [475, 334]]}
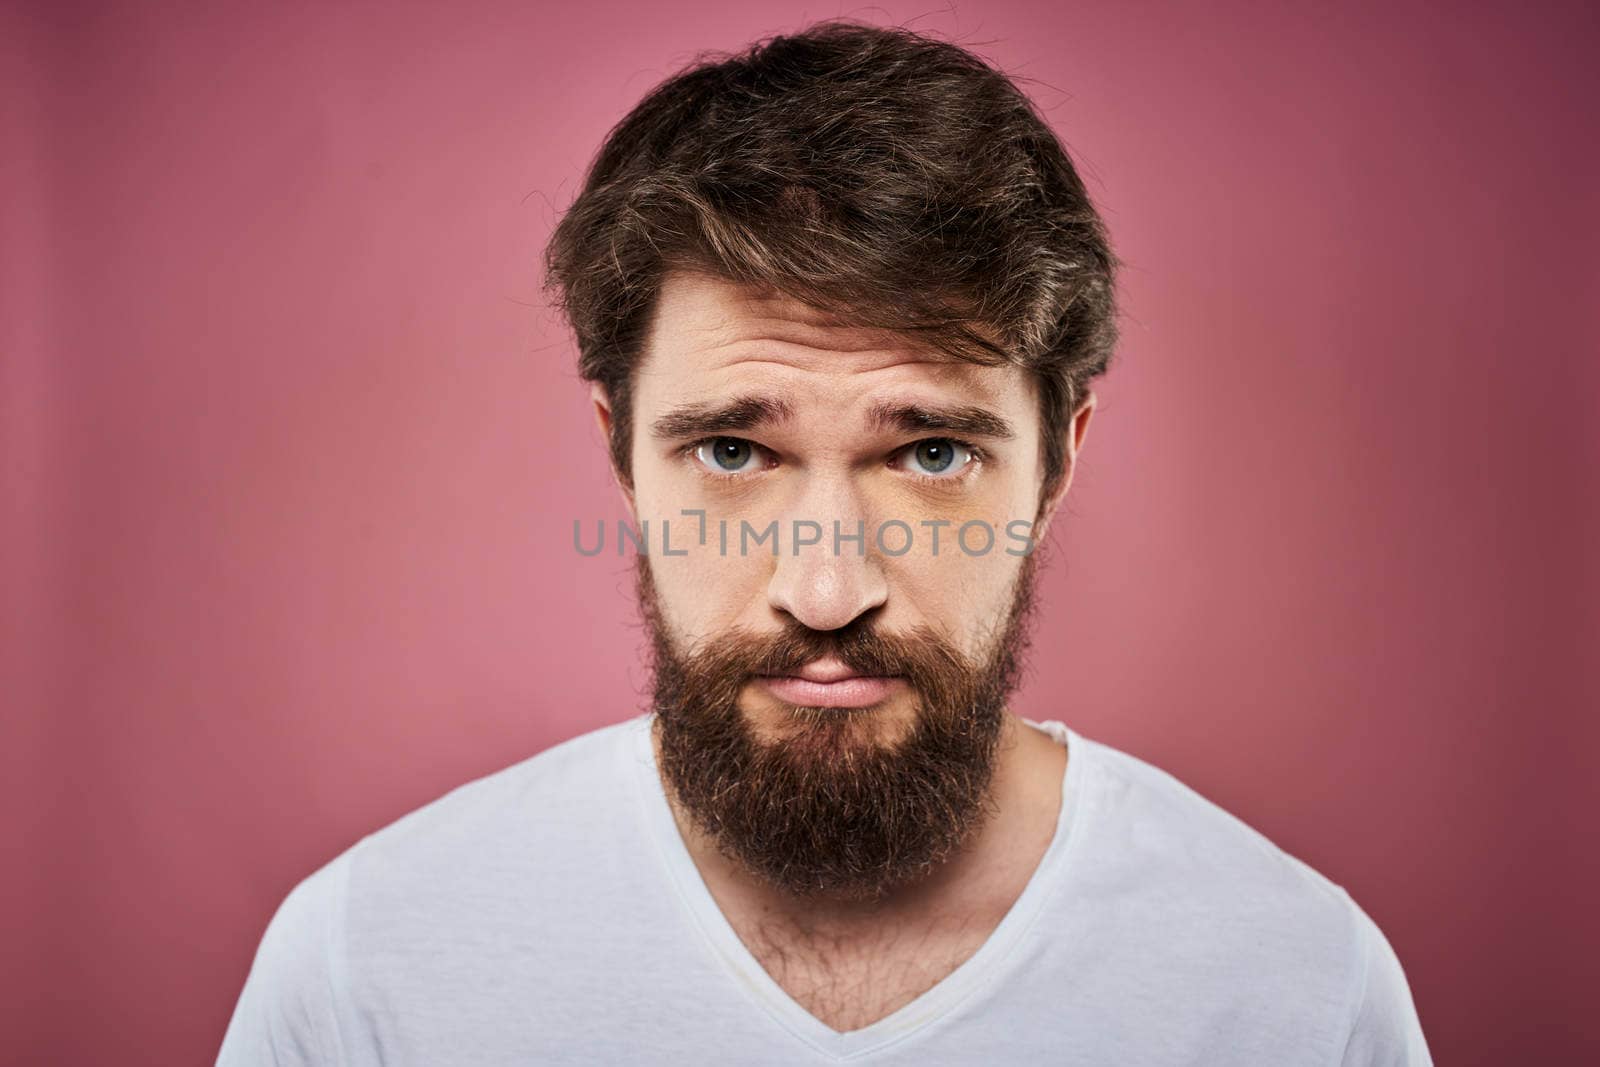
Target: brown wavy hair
{"points": [[894, 180]]}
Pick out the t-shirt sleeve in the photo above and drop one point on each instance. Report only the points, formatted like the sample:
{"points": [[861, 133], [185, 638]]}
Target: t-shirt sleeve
{"points": [[1386, 1031], [288, 1013]]}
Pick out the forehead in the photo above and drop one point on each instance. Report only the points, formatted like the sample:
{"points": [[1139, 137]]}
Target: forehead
{"points": [[710, 335]]}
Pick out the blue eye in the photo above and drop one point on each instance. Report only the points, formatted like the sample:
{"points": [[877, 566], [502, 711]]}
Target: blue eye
{"points": [[938, 457], [727, 455]]}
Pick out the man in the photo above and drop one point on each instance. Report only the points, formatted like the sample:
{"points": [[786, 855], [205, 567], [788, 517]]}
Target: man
{"points": [[838, 297]]}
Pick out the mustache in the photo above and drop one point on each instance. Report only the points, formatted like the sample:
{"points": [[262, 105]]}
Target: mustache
{"points": [[929, 662], [714, 672], [861, 648]]}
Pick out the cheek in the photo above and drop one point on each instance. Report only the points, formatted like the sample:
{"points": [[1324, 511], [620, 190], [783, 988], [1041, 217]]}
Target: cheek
{"points": [[705, 583], [961, 596], [704, 592]]}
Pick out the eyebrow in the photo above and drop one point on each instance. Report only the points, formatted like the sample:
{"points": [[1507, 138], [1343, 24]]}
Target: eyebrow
{"points": [[918, 418], [706, 420]]}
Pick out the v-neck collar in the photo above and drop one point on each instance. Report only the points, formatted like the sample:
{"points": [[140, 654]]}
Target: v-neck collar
{"points": [[983, 967]]}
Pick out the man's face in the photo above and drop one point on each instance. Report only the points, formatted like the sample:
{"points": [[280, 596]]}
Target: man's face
{"points": [[827, 678]]}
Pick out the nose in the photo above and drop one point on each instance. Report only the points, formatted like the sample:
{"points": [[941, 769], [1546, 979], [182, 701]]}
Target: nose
{"points": [[828, 583]]}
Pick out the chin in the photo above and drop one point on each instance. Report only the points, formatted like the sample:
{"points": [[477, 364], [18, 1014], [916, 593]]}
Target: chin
{"points": [[830, 730]]}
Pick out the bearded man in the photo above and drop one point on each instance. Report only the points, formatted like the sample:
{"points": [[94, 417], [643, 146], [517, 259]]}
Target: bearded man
{"points": [[837, 296]]}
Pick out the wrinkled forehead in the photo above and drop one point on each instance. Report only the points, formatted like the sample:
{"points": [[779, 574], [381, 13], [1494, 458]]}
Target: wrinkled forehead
{"points": [[708, 331]]}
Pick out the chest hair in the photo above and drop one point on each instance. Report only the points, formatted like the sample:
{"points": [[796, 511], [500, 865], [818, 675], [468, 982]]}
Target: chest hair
{"points": [[851, 980]]}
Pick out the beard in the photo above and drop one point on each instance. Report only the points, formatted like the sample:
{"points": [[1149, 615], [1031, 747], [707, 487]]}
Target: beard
{"points": [[826, 809]]}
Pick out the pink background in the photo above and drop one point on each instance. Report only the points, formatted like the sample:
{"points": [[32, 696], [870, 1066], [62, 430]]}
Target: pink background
{"points": [[292, 450]]}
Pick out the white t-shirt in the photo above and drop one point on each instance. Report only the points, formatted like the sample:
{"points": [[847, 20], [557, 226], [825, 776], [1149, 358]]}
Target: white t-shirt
{"points": [[550, 913]]}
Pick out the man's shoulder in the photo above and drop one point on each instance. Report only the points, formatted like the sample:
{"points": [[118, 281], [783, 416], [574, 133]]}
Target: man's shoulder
{"points": [[1169, 888], [567, 791], [537, 826], [1191, 856], [566, 775], [459, 871], [1168, 814]]}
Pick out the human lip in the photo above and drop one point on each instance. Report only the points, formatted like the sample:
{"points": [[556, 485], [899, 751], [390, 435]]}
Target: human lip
{"points": [[829, 683]]}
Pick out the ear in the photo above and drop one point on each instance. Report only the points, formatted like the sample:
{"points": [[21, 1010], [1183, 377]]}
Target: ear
{"points": [[603, 418], [1076, 430]]}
